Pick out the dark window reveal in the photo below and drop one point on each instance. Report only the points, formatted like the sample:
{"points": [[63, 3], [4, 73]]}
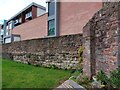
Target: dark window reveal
{"points": [[51, 8], [18, 21], [51, 30]]}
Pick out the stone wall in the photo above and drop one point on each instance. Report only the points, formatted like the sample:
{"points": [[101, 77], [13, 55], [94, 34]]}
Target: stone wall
{"points": [[58, 51], [101, 40]]}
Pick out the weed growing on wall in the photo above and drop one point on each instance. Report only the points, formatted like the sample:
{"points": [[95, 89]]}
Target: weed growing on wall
{"points": [[80, 54]]}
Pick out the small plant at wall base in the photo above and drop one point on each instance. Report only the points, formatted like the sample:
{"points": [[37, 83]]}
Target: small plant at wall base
{"points": [[113, 81], [115, 78], [77, 74], [84, 81], [103, 78]]}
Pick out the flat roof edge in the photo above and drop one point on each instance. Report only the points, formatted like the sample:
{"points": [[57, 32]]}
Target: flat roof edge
{"points": [[32, 4]]}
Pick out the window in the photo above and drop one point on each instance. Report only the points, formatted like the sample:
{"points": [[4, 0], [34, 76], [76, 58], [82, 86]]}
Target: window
{"points": [[16, 38], [8, 40], [17, 21], [2, 32], [51, 28], [51, 20], [7, 32], [28, 15], [7, 27], [51, 8], [10, 25], [20, 20]]}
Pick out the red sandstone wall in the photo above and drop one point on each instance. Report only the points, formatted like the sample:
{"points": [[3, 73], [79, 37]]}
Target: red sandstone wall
{"points": [[36, 28], [74, 16]]}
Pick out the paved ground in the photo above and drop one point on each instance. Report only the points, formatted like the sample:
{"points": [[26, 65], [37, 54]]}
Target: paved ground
{"points": [[70, 85]]}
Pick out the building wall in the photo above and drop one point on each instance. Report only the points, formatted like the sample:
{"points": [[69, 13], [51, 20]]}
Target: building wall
{"points": [[74, 16], [36, 28], [34, 12]]}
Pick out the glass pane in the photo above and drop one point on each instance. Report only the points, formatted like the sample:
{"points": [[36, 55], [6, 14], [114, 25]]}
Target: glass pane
{"points": [[7, 27], [20, 20], [10, 25], [30, 14], [2, 32], [51, 30], [25, 15], [51, 8]]}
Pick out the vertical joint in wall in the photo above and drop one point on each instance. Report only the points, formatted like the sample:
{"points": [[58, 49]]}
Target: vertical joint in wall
{"points": [[118, 35], [89, 52]]}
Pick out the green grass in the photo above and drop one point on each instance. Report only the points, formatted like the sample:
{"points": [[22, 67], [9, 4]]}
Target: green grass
{"points": [[17, 75], [0, 74]]}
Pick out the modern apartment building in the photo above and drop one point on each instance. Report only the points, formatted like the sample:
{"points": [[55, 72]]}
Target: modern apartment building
{"points": [[30, 12], [60, 18]]}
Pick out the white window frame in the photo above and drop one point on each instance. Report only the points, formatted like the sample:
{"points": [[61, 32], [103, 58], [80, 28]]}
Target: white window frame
{"points": [[28, 15]]}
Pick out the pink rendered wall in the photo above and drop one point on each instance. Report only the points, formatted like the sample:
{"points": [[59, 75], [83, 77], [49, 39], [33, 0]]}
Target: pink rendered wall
{"points": [[36, 28], [74, 15]]}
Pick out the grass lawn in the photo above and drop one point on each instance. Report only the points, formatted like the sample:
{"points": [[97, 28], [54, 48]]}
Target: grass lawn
{"points": [[17, 75]]}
